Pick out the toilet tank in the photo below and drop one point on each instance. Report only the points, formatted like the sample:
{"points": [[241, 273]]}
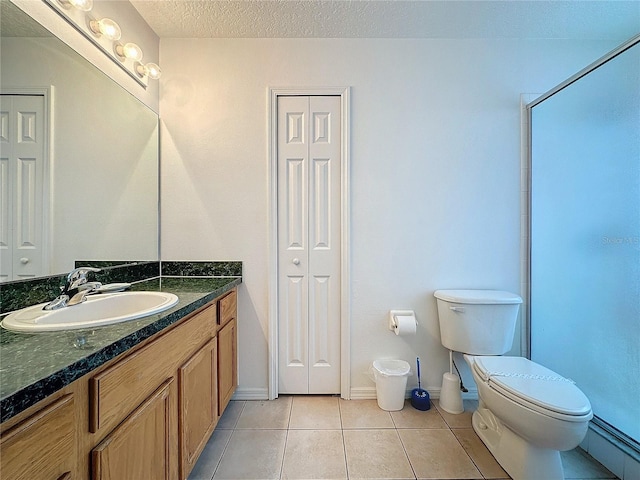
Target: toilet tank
{"points": [[477, 322]]}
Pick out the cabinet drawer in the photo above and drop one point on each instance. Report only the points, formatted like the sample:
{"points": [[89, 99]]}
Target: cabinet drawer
{"points": [[118, 390], [42, 446], [228, 306]]}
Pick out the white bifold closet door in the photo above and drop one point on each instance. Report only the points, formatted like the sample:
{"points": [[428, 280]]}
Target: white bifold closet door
{"points": [[22, 214], [309, 157]]}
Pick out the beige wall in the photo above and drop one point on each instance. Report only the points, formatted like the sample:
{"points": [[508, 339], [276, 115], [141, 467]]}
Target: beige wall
{"points": [[435, 172]]}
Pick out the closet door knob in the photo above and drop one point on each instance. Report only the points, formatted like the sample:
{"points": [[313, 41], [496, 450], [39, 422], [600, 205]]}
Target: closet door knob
{"points": [[24, 260], [296, 261]]}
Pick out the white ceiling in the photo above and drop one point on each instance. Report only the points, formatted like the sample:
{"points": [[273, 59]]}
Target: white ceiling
{"points": [[572, 19]]}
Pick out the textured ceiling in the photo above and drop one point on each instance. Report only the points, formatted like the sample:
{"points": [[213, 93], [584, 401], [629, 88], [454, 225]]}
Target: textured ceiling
{"points": [[15, 23], [574, 19]]}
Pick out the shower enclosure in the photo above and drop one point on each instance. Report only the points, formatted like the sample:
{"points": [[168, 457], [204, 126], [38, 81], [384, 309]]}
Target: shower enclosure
{"points": [[585, 237]]}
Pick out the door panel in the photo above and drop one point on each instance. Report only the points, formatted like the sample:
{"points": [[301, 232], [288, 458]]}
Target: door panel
{"points": [[324, 254], [22, 155], [309, 244]]}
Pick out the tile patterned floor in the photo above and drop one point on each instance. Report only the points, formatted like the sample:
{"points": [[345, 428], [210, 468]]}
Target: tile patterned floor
{"points": [[321, 437]]}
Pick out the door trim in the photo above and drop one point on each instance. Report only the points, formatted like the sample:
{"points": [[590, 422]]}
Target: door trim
{"points": [[345, 310]]}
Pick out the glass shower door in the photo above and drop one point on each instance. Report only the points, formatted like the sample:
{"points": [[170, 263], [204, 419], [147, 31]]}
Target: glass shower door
{"points": [[585, 238]]}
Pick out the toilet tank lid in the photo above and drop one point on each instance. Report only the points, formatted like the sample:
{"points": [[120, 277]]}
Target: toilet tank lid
{"points": [[478, 297]]}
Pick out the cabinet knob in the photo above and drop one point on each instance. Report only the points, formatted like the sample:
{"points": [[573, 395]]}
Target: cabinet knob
{"points": [[24, 260], [296, 261]]}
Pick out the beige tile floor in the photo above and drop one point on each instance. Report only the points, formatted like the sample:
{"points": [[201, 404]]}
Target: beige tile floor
{"points": [[307, 437]]}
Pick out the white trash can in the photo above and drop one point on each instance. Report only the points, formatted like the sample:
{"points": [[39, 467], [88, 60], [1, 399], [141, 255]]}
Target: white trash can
{"points": [[391, 383]]}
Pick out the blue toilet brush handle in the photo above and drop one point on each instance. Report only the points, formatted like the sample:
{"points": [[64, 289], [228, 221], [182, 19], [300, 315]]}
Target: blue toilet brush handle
{"points": [[418, 363]]}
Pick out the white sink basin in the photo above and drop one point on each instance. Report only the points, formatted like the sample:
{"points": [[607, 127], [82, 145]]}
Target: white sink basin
{"points": [[96, 311]]}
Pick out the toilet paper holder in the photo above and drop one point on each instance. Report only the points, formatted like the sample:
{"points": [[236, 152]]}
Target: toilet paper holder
{"points": [[393, 322]]}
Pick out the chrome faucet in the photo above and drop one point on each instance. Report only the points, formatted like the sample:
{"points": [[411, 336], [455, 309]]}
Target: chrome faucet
{"points": [[84, 290], [75, 290]]}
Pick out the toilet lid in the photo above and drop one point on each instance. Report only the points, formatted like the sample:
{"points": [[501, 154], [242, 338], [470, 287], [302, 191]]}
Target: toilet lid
{"points": [[533, 385]]}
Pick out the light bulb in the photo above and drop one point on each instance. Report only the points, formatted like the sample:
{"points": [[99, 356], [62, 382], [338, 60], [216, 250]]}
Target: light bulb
{"points": [[84, 5], [129, 50], [150, 69], [107, 27], [153, 70]]}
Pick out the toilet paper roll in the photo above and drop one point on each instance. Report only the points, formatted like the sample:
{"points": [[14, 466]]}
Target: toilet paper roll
{"points": [[404, 324]]}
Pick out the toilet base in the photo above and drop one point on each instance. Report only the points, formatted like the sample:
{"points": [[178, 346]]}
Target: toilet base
{"points": [[520, 459]]}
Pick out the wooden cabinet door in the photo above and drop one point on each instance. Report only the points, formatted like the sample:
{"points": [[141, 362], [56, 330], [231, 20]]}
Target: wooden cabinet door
{"points": [[42, 447], [143, 446], [227, 364], [197, 404], [118, 390]]}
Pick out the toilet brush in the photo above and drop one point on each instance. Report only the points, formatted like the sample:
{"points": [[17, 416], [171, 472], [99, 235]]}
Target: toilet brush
{"points": [[419, 396]]}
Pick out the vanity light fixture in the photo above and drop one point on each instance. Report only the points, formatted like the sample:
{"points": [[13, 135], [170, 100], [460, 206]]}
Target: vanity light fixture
{"points": [[128, 50], [105, 34], [107, 27], [150, 69], [83, 5]]}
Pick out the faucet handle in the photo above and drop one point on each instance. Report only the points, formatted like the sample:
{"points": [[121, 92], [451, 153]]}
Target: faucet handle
{"points": [[78, 276], [69, 293]]}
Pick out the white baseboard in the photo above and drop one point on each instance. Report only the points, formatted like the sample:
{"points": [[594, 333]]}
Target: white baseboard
{"points": [[369, 393], [251, 394], [361, 393]]}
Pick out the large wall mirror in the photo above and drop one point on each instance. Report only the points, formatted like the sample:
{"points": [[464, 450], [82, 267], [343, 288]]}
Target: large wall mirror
{"points": [[78, 158]]}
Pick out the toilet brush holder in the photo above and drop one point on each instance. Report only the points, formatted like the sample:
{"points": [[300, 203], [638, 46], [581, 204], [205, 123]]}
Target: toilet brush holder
{"points": [[419, 396], [420, 399], [450, 394]]}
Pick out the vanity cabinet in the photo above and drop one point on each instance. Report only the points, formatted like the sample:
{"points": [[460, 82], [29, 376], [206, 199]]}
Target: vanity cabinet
{"points": [[43, 446], [145, 415], [165, 392], [118, 389], [227, 349]]}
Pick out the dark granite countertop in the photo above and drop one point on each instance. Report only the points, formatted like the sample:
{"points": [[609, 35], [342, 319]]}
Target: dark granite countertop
{"points": [[33, 366]]}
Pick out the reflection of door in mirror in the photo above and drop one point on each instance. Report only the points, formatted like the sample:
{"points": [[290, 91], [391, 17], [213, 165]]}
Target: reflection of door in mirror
{"points": [[23, 166], [103, 191]]}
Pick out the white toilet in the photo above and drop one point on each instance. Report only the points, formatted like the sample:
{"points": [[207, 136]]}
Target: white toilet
{"points": [[527, 413]]}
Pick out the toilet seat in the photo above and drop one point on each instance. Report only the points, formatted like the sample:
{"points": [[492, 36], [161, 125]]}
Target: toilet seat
{"points": [[533, 386]]}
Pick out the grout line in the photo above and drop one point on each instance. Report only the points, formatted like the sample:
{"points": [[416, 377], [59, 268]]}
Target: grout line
{"points": [[284, 454], [286, 437], [344, 443], [235, 424], [344, 451], [466, 453], [224, 450], [293, 398], [233, 431], [404, 448]]}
